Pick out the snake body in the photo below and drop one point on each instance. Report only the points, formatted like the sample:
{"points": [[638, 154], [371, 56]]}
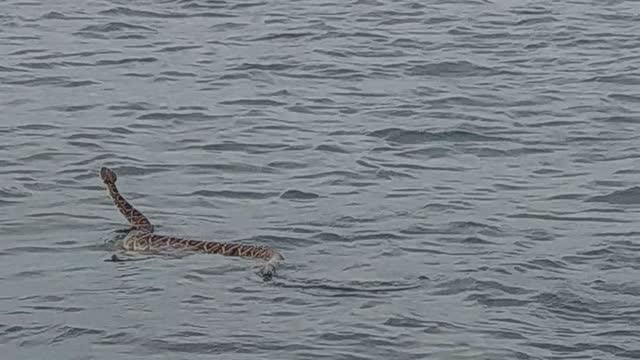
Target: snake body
{"points": [[142, 236]]}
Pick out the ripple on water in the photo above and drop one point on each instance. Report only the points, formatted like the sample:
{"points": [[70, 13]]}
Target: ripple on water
{"points": [[445, 180]]}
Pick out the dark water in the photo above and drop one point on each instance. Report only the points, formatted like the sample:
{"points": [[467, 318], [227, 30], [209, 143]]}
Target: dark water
{"points": [[448, 181]]}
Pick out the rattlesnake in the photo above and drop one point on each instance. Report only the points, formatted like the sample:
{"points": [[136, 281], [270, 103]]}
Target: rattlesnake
{"points": [[142, 238]]}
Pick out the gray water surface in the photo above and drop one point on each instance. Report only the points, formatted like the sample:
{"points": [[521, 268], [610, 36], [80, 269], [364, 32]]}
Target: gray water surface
{"points": [[456, 180]]}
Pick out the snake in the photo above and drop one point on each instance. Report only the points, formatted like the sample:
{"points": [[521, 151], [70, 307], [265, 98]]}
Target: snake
{"points": [[141, 236]]}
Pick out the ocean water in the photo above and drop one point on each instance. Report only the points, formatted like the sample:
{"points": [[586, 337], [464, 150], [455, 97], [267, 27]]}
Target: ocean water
{"points": [[446, 180]]}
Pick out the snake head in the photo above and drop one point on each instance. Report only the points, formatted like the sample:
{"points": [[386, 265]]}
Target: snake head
{"points": [[107, 175]]}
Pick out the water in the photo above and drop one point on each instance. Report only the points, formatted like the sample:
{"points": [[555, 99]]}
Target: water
{"points": [[456, 180]]}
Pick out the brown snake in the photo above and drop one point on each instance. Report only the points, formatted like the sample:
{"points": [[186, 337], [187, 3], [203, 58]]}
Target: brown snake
{"points": [[142, 238]]}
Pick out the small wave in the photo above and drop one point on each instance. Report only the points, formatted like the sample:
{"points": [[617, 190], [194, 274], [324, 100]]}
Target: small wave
{"points": [[416, 322], [350, 288], [57, 55], [287, 165], [11, 69], [470, 284], [456, 68], [30, 249], [147, 59], [37, 127], [298, 195], [253, 102], [55, 15], [138, 106], [193, 116], [332, 237], [116, 26], [71, 332], [124, 11], [445, 207], [178, 74], [492, 301], [41, 65], [566, 218], [573, 307], [53, 81], [206, 346], [97, 159], [621, 119], [330, 174], [12, 192], [240, 168], [178, 48], [283, 36], [331, 148], [8, 202], [429, 153], [620, 79], [232, 194], [403, 136], [262, 66], [22, 332], [627, 196], [245, 147], [457, 227]]}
